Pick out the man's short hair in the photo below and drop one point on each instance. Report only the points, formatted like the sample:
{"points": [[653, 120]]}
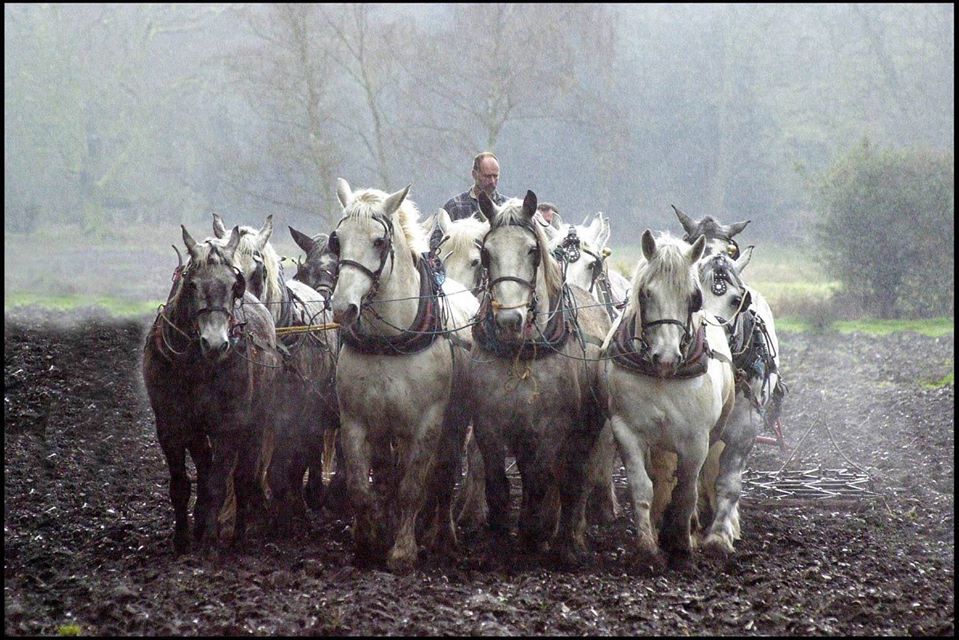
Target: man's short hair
{"points": [[481, 156], [543, 206]]}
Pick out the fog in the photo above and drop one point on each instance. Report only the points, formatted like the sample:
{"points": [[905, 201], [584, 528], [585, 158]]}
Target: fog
{"points": [[158, 114]]}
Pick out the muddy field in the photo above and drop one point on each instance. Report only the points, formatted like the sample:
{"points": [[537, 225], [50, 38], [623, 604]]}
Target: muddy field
{"points": [[88, 524]]}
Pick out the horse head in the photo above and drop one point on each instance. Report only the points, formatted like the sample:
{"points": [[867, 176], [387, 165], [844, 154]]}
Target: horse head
{"points": [[211, 286], [378, 234], [582, 248], [319, 269], [520, 274], [256, 258], [667, 293], [719, 237], [459, 248]]}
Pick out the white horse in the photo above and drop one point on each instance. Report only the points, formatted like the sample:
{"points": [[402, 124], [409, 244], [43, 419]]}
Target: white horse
{"points": [[397, 374], [582, 250], [668, 392], [306, 400], [755, 353], [459, 250], [533, 381]]}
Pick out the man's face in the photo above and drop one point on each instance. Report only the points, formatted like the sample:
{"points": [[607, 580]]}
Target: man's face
{"points": [[547, 214], [487, 175]]}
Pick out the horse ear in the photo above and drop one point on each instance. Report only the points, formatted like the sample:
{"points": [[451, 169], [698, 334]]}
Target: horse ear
{"points": [[443, 220], [743, 259], [695, 252], [343, 192], [604, 231], [649, 245], [736, 227], [303, 241], [219, 229], [234, 242], [685, 220], [529, 204], [263, 235], [487, 207], [190, 244], [594, 231], [394, 200]]}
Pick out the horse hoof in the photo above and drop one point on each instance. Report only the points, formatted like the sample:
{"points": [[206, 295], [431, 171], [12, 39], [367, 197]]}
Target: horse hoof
{"points": [[717, 545], [400, 564], [648, 562]]}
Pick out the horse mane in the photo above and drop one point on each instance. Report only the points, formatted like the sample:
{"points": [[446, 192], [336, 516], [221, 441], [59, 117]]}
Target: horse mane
{"points": [[365, 206], [462, 234], [512, 213], [668, 264]]}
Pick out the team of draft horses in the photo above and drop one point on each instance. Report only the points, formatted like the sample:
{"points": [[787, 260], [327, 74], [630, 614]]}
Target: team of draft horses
{"points": [[511, 338]]}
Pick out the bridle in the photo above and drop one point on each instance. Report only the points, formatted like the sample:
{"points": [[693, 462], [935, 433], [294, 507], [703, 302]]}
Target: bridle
{"points": [[386, 251], [695, 304], [487, 285]]}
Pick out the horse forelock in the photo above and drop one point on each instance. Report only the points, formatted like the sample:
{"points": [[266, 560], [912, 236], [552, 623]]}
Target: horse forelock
{"points": [[668, 265], [511, 213], [367, 205], [463, 233], [271, 264]]}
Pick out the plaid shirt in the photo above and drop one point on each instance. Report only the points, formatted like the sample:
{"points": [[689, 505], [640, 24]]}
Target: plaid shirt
{"points": [[462, 206]]}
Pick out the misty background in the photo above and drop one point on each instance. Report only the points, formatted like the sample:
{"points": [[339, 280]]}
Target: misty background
{"points": [[161, 114]]}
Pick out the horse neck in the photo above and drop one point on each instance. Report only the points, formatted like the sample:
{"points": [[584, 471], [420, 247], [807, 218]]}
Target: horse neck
{"points": [[543, 298], [396, 301]]}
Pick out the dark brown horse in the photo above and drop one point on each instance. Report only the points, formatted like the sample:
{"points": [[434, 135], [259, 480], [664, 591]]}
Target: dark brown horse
{"points": [[208, 365]]}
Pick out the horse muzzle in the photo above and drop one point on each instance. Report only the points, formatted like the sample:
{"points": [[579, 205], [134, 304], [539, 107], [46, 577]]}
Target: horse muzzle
{"points": [[345, 315]]}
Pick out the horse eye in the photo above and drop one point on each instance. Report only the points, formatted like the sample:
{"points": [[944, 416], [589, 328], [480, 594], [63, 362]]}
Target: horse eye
{"points": [[474, 262], [736, 301], [379, 242]]}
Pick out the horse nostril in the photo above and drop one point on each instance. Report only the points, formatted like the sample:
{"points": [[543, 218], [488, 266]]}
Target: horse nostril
{"points": [[204, 345], [224, 347]]}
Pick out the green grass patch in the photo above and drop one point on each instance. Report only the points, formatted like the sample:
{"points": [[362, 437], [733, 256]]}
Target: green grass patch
{"points": [[69, 630], [947, 380], [112, 306], [933, 327]]}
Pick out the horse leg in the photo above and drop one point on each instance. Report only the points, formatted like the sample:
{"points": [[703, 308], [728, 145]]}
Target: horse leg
{"points": [[221, 471], [724, 529], [357, 452], [285, 478], [604, 460], [633, 450], [496, 482], [337, 495], [417, 457], [675, 535], [540, 510], [574, 489], [439, 506], [179, 490], [473, 511], [662, 470], [202, 456]]}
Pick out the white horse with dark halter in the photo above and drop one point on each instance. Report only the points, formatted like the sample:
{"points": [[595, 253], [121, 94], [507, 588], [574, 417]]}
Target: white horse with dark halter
{"points": [[306, 400], [533, 381], [459, 251], [670, 391], [755, 353], [582, 251], [396, 375]]}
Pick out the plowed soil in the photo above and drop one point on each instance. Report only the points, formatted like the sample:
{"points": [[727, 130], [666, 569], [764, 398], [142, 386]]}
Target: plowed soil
{"points": [[88, 523]]}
